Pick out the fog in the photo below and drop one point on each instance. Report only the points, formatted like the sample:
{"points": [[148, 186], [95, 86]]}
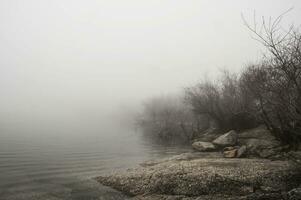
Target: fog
{"points": [[76, 63]]}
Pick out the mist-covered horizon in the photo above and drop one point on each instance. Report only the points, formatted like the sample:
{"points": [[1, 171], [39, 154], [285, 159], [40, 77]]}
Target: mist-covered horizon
{"points": [[84, 61], [92, 87]]}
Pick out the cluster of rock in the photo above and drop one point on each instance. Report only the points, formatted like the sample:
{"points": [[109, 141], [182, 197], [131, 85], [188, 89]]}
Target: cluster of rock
{"points": [[207, 174], [258, 142]]}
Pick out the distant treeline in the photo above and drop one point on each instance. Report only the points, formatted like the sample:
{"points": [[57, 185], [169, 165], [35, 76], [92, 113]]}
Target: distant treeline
{"points": [[268, 92]]}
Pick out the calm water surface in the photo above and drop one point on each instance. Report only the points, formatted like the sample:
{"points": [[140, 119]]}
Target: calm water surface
{"points": [[60, 165]]}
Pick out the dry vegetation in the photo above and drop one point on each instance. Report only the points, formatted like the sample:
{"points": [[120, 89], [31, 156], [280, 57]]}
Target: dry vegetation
{"points": [[268, 92]]}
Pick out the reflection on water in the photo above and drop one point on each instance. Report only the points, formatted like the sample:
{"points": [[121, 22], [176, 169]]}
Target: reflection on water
{"points": [[61, 166]]}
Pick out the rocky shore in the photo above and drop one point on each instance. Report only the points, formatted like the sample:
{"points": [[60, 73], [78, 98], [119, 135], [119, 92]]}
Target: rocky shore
{"points": [[214, 174]]}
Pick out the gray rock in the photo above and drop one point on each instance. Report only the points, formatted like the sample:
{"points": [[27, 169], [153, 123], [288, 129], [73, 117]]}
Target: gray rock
{"points": [[241, 151], [201, 177], [203, 146], [227, 139], [260, 142]]}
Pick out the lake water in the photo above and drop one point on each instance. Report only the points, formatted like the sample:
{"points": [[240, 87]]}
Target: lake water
{"points": [[60, 164]]}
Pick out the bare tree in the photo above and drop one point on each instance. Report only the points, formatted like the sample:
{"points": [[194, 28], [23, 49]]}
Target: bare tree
{"points": [[276, 82], [225, 102], [168, 119]]}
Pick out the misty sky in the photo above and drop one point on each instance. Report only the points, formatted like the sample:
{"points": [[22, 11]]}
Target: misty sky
{"points": [[68, 58]]}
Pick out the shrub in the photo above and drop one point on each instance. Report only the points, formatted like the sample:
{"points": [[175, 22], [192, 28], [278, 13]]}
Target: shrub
{"points": [[168, 119]]}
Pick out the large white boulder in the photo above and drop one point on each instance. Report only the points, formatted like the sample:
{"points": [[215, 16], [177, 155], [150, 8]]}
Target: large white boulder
{"points": [[203, 146], [227, 139]]}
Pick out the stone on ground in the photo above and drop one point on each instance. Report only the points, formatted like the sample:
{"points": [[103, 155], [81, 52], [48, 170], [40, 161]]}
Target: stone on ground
{"points": [[227, 139], [203, 146], [241, 151], [260, 142]]}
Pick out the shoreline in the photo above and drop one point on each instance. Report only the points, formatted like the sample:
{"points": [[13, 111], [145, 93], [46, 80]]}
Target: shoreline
{"points": [[198, 175]]}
